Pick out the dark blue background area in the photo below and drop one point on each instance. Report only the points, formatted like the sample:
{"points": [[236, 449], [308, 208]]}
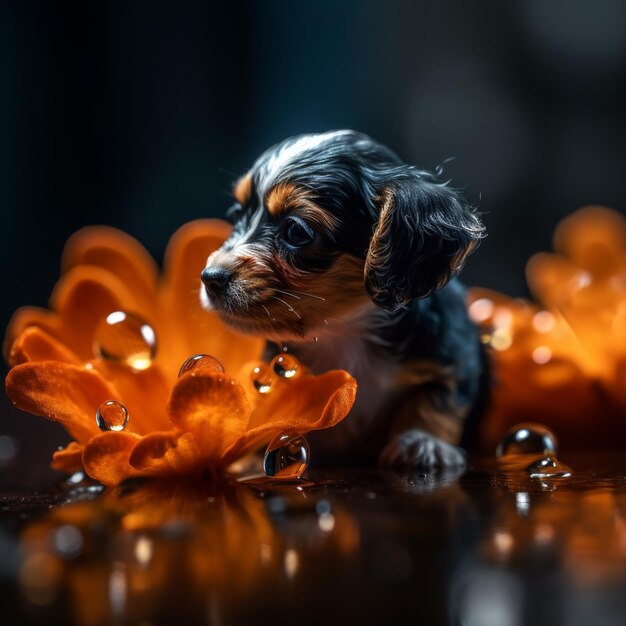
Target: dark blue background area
{"points": [[140, 114]]}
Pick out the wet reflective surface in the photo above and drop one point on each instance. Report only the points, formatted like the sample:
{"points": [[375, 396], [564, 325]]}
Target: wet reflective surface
{"points": [[341, 546]]}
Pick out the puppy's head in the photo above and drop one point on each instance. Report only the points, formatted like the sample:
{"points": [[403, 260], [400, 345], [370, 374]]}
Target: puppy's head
{"points": [[324, 224]]}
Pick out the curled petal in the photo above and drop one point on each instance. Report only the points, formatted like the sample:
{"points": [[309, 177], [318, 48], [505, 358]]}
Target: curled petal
{"points": [[35, 344], [553, 279], [298, 406], [118, 253], [84, 297], [166, 453], [61, 392], [213, 407], [105, 457], [594, 238], [24, 318], [69, 459]]}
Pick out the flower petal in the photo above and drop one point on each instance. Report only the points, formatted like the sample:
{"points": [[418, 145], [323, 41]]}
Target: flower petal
{"points": [[144, 393], [84, 297], [105, 457], [165, 453], [69, 459], [213, 407], [199, 331], [187, 253], [61, 392], [35, 344], [116, 252], [594, 238], [26, 317], [553, 279], [298, 406]]}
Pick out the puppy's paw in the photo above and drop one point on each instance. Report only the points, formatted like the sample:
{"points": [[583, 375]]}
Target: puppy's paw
{"points": [[418, 449]]}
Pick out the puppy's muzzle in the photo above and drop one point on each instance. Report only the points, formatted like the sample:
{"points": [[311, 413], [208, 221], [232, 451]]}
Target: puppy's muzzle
{"points": [[216, 280]]}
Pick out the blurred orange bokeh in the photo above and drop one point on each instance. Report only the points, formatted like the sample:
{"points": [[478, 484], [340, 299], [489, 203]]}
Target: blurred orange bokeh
{"points": [[561, 360]]}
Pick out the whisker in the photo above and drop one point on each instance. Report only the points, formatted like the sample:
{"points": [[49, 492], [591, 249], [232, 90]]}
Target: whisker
{"points": [[289, 307], [266, 310], [306, 293], [334, 316], [287, 293]]}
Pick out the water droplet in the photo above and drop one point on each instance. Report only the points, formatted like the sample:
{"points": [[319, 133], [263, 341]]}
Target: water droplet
{"points": [[527, 438], [287, 456], [112, 415], [548, 467], [125, 338], [285, 365], [201, 361], [262, 378]]}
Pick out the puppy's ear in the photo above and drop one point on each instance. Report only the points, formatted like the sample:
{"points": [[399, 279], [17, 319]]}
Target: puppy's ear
{"points": [[423, 234]]}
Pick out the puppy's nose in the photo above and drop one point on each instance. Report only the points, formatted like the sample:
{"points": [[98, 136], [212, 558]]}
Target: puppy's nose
{"points": [[216, 279]]}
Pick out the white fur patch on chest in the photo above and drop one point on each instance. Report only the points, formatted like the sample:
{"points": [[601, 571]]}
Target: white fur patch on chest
{"points": [[374, 371]]}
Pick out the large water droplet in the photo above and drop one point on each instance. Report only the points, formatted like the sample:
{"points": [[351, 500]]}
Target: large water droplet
{"points": [[548, 467], [262, 378], [125, 338], [285, 365], [201, 361], [287, 456], [112, 415], [527, 438]]}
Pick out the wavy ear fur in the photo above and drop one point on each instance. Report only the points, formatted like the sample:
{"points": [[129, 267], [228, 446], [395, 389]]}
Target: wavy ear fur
{"points": [[424, 232]]}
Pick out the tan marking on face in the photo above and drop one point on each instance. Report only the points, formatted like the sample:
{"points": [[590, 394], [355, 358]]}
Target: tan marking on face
{"points": [[328, 297], [287, 197], [242, 189], [280, 197]]}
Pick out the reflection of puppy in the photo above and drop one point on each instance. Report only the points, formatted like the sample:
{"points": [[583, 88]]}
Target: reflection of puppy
{"points": [[344, 254]]}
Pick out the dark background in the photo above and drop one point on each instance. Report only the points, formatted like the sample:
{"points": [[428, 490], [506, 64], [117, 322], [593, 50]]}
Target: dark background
{"points": [[140, 115]]}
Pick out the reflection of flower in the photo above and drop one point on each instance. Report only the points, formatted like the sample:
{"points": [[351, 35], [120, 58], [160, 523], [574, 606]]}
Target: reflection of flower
{"points": [[154, 550], [563, 361], [585, 527], [196, 424]]}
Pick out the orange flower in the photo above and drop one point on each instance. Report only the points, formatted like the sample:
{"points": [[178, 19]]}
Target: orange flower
{"points": [[198, 423], [562, 361]]}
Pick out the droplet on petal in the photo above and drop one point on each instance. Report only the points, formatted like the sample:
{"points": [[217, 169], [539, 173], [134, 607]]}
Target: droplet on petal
{"points": [[201, 361], [527, 438], [287, 456], [112, 415], [285, 365], [262, 378], [125, 338]]}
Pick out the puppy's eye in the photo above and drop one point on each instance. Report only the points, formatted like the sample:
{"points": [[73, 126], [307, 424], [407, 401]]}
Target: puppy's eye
{"points": [[234, 212], [297, 233]]}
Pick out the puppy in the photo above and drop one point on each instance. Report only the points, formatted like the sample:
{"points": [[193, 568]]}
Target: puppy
{"points": [[345, 255]]}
